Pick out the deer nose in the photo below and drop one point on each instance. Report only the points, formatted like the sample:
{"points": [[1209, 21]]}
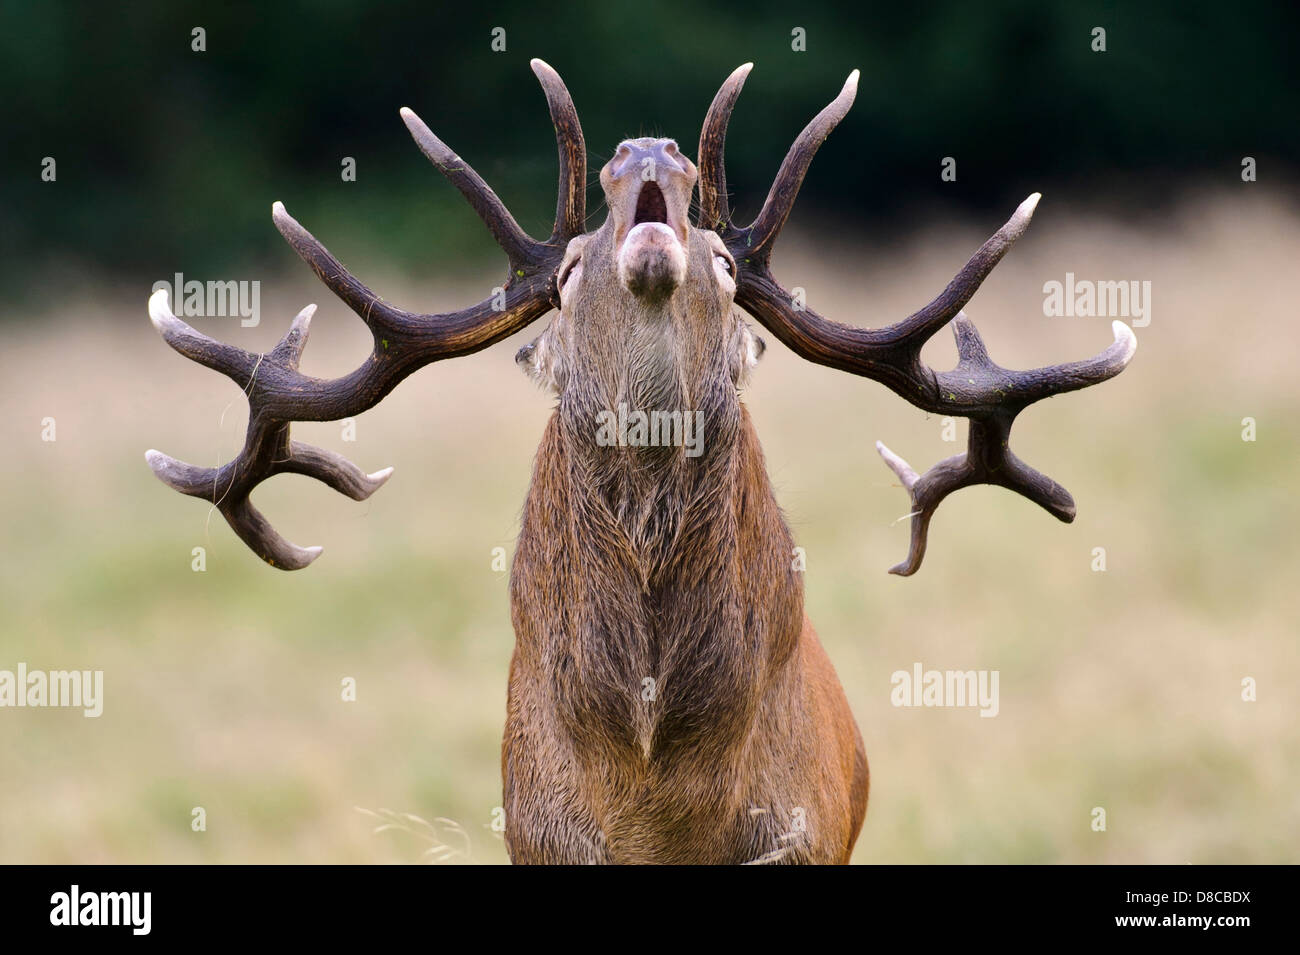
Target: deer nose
{"points": [[646, 158], [648, 186]]}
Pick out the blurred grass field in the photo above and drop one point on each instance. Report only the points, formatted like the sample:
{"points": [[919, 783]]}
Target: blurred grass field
{"points": [[1119, 689]]}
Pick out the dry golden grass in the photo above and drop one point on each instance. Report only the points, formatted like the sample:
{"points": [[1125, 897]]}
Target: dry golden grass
{"points": [[1118, 689]]}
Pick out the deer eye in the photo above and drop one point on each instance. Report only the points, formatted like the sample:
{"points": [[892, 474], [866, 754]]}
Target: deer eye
{"points": [[568, 271], [724, 263]]}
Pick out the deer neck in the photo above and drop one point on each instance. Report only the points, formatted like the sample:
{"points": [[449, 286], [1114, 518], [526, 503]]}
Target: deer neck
{"points": [[654, 591], [651, 452]]}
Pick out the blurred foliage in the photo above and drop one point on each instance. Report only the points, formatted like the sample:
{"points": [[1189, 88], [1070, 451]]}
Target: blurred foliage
{"points": [[168, 159]]}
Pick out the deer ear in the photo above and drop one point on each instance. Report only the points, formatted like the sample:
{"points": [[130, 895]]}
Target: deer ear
{"points": [[542, 362], [747, 349]]}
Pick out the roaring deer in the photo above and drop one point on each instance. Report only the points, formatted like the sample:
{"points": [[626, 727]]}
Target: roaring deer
{"points": [[669, 701]]}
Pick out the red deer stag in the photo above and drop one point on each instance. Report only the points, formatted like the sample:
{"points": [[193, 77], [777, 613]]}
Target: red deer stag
{"points": [[668, 699]]}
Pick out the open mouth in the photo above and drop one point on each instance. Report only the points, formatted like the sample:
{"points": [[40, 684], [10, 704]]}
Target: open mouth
{"points": [[651, 255], [650, 205]]}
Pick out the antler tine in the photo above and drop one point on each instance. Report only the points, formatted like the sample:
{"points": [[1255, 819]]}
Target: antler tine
{"points": [[571, 203], [762, 232], [922, 324], [980, 388], [426, 337], [279, 394], [518, 245], [570, 210], [715, 208], [373, 310], [235, 363], [263, 539]]}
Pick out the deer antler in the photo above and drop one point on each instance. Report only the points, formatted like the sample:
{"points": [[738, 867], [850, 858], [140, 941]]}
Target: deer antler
{"points": [[978, 389], [279, 394]]}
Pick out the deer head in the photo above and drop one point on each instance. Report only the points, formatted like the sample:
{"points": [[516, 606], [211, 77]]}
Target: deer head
{"points": [[646, 327], [644, 317]]}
